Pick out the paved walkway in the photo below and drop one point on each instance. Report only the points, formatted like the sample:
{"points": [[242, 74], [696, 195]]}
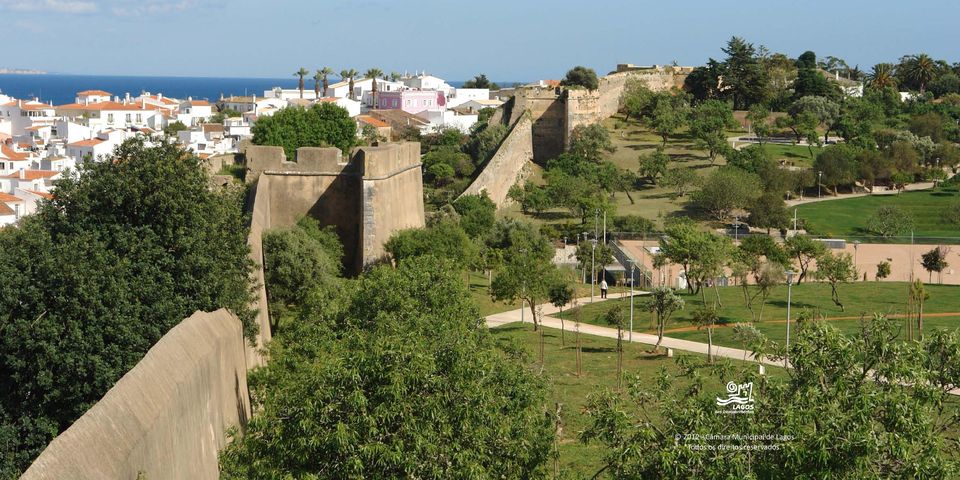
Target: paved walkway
{"points": [[512, 316]]}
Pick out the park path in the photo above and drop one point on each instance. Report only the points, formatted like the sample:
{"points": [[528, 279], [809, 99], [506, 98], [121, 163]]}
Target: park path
{"points": [[691, 328], [513, 316], [913, 187]]}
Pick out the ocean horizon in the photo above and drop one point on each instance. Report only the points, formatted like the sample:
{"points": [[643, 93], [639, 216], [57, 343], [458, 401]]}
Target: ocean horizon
{"points": [[62, 88]]}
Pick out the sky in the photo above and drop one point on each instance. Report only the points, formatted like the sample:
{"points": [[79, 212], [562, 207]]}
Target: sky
{"points": [[515, 40]]}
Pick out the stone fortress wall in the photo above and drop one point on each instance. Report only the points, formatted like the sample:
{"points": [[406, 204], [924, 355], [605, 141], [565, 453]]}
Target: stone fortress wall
{"points": [[167, 418], [553, 113]]}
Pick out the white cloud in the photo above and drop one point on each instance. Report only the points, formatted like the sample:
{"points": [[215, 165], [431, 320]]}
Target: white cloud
{"points": [[147, 7], [53, 6]]}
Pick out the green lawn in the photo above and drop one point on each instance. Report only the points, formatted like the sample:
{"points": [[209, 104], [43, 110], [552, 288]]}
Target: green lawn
{"points": [[797, 155], [599, 360], [848, 217], [858, 298], [480, 290]]}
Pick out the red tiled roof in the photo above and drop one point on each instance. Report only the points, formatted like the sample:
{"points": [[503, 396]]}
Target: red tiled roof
{"points": [[87, 143], [102, 106], [93, 92], [33, 174], [10, 154], [7, 198], [200, 103], [163, 100], [376, 122], [31, 105], [42, 194], [5, 210]]}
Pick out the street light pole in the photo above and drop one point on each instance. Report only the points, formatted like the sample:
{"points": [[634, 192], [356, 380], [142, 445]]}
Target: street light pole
{"points": [[593, 275], [632, 265], [819, 182], [736, 228], [786, 355]]}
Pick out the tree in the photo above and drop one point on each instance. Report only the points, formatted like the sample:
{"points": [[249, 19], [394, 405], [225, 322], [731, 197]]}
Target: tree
{"points": [[669, 113], [581, 77], [614, 317], [826, 111], [805, 250], [528, 271], [481, 81], [636, 98], [920, 69], [883, 270], [340, 404], [846, 392], [836, 269], [654, 165], [633, 224], [803, 125], [349, 75], [663, 302], [810, 81], [446, 239], [303, 72], [173, 129], [757, 116], [709, 122], [681, 180], [743, 76], [321, 125], [766, 260], [590, 142], [888, 221], [126, 249], [725, 190], [951, 213], [324, 76], [706, 318], [477, 214], [769, 211], [373, 74], [881, 77], [838, 165], [935, 261], [560, 295], [297, 262]]}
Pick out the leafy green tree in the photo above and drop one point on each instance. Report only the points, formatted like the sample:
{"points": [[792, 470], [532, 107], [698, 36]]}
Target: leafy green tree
{"points": [[858, 120], [581, 77], [446, 240], [805, 251], [223, 114], [919, 69], [765, 259], [853, 406], [681, 180], [124, 251], [485, 143], [633, 224], [935, 261], [836, 269], [826, 111], [531, 197], [321, 125], [810, 82], [669, 114], [174, 128], [635, 99], [528, 271], [743, 75], [615, 318], [838, 165], [403, 381], [560, 295], [803, 125], [769, 211], [725, 190], [888, 221], [709, 122], [591, 142], [298, 261], [663, 303], [757, 116], [477, 214], [480, 81], [883, 270], [653, 166], [706, 318], [929, 124]]}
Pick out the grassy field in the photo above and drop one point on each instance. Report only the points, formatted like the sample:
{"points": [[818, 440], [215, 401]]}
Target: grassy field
{"points": [[599, 360], [848, 217], [480, 289], [793, 154], [858, 298]]}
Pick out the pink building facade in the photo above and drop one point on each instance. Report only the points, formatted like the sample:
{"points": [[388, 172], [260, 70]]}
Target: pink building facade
{"points": [[411, 101]]}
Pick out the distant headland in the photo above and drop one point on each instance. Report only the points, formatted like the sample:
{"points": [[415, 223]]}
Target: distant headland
{"points": [[20, 71]]}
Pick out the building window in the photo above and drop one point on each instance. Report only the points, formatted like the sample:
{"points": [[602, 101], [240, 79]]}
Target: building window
{"points": [[127, 118], [109, 118], [139, 118]]}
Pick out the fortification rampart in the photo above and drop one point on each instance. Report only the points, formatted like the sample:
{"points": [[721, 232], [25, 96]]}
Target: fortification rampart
{"points": [[509, 165], [366, 196], [167, 417]]}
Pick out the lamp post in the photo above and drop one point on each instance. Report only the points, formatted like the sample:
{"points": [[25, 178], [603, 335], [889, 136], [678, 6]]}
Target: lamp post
{"points": [[736, 228], [856, 245], [786, 355], [593, 275], [819, 181], [632, 265]]}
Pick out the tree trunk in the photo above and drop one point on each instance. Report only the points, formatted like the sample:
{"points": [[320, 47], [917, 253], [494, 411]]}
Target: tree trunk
{"points": [[716, 289], [920, 320], [562, 343], [533, 311], [656, 348], [710, 343]]}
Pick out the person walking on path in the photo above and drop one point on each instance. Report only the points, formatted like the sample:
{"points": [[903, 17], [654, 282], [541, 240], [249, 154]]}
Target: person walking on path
{"points": [[603, 288]]}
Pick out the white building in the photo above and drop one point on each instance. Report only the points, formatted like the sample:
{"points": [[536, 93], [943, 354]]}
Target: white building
{"points": [[104, 115], [429, 82], [440, 120], [12, 160], [23, 114], [464, 95], [351, 106], [477, 105], [97, 147], [194, 112]]}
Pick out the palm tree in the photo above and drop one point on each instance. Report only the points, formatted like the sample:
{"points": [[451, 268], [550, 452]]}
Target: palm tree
{"points": [[920, 68], [881, 76], [323, 73], [317, 78], [303, 72], [374, 74], [349, 75]]}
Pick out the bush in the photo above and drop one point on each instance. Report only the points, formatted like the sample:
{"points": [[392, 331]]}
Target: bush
{"points": [[322, 125]]}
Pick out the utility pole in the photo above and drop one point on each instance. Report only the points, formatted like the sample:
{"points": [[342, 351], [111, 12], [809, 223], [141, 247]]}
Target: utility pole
{"points": [[794, 220], [593, 275], [786, 356], [604, 227], [632, 265]]}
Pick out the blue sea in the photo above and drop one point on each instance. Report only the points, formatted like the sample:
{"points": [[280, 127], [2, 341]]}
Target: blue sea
{"points": [[61, 89]]}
